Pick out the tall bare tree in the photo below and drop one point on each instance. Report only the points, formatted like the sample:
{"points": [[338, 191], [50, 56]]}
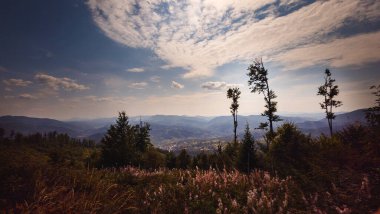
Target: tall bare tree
{"points": [[234, 94], [258, 82], [329, 91]]}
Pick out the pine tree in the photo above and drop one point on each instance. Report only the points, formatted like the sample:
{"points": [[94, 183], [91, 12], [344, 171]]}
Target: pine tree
{"points": [[118, 145], [143, 136], [328, 90], [247, 156], [373, 113], [183, 159]]}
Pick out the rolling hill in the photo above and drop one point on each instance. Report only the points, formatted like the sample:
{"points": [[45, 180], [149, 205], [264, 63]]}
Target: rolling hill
{"points": [[172, 128]]}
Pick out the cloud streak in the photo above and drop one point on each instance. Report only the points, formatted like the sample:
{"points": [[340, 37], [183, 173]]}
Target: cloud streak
{"points": [[27, 97], [355, 50], [219, 85], [177, 85], [138, 85], [17, 82], [200, 36], [57, 83], [136, 70]]}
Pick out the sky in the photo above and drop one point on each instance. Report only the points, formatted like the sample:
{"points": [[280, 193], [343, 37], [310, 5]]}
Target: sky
{"points": [[91, 59]]}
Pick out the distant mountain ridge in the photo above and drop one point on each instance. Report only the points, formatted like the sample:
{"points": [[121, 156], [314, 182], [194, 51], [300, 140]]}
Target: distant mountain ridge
{"points": [[171, 128]]}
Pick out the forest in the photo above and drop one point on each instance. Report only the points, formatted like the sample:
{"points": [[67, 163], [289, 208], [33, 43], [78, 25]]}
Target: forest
{"points": [[286, 171]]}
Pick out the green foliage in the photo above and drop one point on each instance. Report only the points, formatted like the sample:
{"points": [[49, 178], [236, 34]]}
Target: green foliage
{"points": [[118, 145], [24, 158], [247, 156], [324, 175], [373, 113], [229, 156], [171, 160], [328, 90], [125, 144], [143, 137], [202, 161], [152, 159], [183, 160], [289, 149]]}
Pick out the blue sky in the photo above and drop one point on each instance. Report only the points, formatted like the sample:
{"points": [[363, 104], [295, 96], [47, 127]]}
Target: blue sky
{"points": [[90, 59]]}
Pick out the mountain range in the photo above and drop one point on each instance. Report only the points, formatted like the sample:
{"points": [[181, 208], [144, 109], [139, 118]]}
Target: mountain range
{"points": [[166, 129]]}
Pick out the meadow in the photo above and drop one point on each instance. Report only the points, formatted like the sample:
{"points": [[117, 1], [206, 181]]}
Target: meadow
{"points": [[56, 174]]}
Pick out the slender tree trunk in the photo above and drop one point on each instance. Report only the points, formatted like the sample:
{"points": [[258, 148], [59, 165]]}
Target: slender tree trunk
{"points": [[330, 126], [249, 161], [235, 126], [331, 119], [270, 119]]}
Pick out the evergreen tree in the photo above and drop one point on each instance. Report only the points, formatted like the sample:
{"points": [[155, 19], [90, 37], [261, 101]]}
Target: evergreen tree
{"points": [[373, 113], [247, 156], [328, 90], [118, 145], [183, 160], [171, 160], [258, 80], [142, 137], [234, 94]]}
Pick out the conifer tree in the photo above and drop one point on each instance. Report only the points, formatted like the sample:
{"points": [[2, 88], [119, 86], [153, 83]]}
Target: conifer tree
{"points": [[118, 144], [329, 91], [247, 156], [373, 113], [142, 136], [183, 159]]}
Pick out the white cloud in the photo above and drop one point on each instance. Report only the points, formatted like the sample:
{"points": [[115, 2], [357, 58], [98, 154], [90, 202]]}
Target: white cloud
{"points": [[219, 85], [17, 82], [56, 83], [27, 97], [177, 85], [99, 99], [353, 50], [155, 79], [201, 35], [138, 85], [108, 99], [136, 70]]}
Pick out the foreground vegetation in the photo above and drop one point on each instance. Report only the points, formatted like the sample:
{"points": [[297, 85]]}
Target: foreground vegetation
{"points": [[55, 174], [294, 173]]}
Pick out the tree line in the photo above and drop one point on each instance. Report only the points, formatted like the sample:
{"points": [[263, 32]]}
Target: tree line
{"points": [[125, 144]]}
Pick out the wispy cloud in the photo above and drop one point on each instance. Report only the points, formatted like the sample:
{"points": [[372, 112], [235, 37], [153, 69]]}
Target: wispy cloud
{"points": [[108, 99], [200, 35], [353, 50], [219, 85], [56, 83], [138, 85], [98, 99], [136, 70], [27, 97], [17, 82], [177, 85], [155, 79]]}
